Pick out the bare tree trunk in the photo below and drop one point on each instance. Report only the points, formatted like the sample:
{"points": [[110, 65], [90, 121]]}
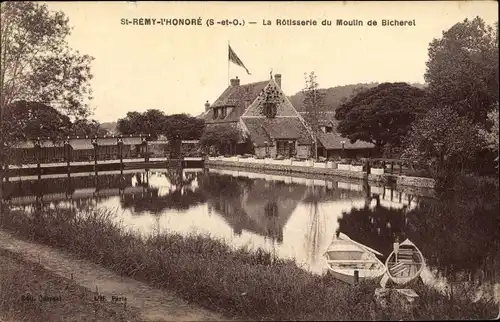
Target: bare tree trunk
{"points": [[2, 160], [315, 149]]}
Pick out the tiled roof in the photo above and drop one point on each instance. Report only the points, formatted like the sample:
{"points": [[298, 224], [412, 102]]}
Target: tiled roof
{"points": [[237, 97], [264, 129], [325, 118], [333, 141], [325, 122]]}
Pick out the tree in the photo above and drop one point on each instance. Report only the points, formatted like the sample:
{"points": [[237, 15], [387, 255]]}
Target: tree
{"points": [[183, 127], [314, 106], [220, 136], [491, 136], [37, 65], [150, 122], [85, 127], [444, 141], [129, 124], [24, 120], [381, 115], [462, 70]]}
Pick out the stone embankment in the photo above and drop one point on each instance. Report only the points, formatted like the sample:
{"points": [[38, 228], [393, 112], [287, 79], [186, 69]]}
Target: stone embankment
{"points": [[321, 168]]}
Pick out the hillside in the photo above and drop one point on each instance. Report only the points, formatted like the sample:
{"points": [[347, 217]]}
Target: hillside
{"points": [[335, 96], [110, 126]]}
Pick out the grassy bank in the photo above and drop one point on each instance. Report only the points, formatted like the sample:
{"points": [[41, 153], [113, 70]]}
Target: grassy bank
{"points": [[245, 284], [62, 299]]}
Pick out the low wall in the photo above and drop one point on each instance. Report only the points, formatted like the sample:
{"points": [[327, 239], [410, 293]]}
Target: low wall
{"points": [[287, 168], [320, 168]]}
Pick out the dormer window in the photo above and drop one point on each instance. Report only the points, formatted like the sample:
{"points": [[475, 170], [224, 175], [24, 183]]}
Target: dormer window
{"points": [[328, 129], [220, 113], [270, 110]]}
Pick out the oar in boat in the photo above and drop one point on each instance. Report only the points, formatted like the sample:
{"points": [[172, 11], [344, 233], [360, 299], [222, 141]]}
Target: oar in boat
{"points": [[344, 236]]}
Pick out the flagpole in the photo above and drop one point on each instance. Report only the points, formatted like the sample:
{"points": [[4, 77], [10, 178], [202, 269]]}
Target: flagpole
{"points": [[228, 81]]}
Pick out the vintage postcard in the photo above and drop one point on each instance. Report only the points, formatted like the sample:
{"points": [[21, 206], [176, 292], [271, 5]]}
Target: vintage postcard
{"points": [[232, 160]]}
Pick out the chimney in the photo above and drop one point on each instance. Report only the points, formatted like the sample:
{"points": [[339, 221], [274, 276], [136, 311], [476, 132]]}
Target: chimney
{"points": [[235, 81], [277, 79], [207, 106]]}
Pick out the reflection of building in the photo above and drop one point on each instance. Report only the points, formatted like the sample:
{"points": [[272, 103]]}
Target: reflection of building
{"points": [[263, 113], [271, 204], [73, 188], [133, 190], [261, 207]]}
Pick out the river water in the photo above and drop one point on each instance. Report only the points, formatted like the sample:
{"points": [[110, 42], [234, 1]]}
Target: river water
{"points": [[290, 216]]}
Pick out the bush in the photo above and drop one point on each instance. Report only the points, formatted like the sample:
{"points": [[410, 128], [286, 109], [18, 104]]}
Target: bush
{"points": [[356, 162], [336, 159], [193, 154], [376, 164]]}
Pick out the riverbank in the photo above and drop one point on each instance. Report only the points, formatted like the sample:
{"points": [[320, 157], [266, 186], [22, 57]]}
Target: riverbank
{"points": [[77, 281], [321, 168], [236, 283], [28, 292], [376, 186]]}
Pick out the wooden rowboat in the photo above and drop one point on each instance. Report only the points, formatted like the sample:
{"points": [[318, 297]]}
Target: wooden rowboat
{"points": [[346, 258], [407, 265]]}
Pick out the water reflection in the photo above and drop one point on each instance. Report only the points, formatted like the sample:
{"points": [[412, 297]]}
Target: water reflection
{"points": [[293, 217], [257, 206], [177, 191]]}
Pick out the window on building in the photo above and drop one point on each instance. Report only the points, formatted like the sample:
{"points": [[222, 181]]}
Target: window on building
{"points": [[270, 109], [216, 113], [223, 113], [285, 148], [328, 129]]}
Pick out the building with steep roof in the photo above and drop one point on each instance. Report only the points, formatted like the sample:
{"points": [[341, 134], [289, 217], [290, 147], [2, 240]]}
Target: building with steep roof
{"points": [[331, 144], [264, 115]]}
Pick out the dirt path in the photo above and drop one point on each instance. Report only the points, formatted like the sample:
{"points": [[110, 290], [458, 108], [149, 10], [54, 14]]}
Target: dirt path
{"points": [[22, 283], [154, 304]]}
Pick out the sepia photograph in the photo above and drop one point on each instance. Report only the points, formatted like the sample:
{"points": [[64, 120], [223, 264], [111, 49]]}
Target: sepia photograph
{"points": [[249, 161]]}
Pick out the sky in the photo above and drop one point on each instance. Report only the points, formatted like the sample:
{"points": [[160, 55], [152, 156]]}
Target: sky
{"points": [[176, 69]]}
